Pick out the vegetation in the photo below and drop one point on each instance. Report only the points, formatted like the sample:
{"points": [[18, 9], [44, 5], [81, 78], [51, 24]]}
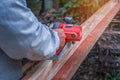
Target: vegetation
{"points": [[34, 6], [79, 9], [114, 75]]}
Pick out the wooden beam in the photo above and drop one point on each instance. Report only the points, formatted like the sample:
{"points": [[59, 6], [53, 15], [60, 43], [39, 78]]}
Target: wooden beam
{"points": [[116, 21], [92, 29], [27, 66], [68, 70]]}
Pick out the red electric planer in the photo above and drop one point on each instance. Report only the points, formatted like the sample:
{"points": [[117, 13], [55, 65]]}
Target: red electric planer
{"points": [[73, 32]]}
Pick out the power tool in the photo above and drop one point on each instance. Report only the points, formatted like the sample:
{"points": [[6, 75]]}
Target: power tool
{"points": [[73, 33]]}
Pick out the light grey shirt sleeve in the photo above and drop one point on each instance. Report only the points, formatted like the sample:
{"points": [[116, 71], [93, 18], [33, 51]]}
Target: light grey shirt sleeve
{"points": [[22, 36]]}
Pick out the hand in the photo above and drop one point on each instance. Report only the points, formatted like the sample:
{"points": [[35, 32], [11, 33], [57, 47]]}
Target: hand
{"points": [[61, 37]]}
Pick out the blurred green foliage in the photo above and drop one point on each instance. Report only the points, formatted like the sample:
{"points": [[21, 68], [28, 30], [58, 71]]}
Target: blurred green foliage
{"points": [[34, 6], [79, 9], [114, 75]]}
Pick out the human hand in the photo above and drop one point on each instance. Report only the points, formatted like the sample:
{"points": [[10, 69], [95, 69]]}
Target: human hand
{"points": [[61, 37]]}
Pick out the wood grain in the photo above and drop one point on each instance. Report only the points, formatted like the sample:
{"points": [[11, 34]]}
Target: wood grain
{"points": [[68, 70], [64, 68]]}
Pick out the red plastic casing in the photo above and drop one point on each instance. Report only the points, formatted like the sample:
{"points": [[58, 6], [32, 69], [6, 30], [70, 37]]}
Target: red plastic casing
{"points": [[73, 33]]}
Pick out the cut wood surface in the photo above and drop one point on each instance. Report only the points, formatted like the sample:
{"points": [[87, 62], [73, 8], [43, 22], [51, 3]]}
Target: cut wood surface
{"points": [[64, 68], [27, 66], [68, 70]]}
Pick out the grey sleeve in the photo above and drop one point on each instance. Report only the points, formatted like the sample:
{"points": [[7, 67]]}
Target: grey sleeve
{"points": [[22, 36]]}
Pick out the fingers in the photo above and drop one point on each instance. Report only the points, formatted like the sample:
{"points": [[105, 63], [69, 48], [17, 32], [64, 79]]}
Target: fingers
{"points": [[61, 37]]}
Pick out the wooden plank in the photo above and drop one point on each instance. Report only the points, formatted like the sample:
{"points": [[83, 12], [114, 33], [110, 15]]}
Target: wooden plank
{"points": [[112, 32], [116, 21], [42, 71], [27, 66], [31, 72], [55, 66], [68, 70], [88, 26]]}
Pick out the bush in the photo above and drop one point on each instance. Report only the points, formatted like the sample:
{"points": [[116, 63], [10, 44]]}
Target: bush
{"points": [[79, 9]]}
